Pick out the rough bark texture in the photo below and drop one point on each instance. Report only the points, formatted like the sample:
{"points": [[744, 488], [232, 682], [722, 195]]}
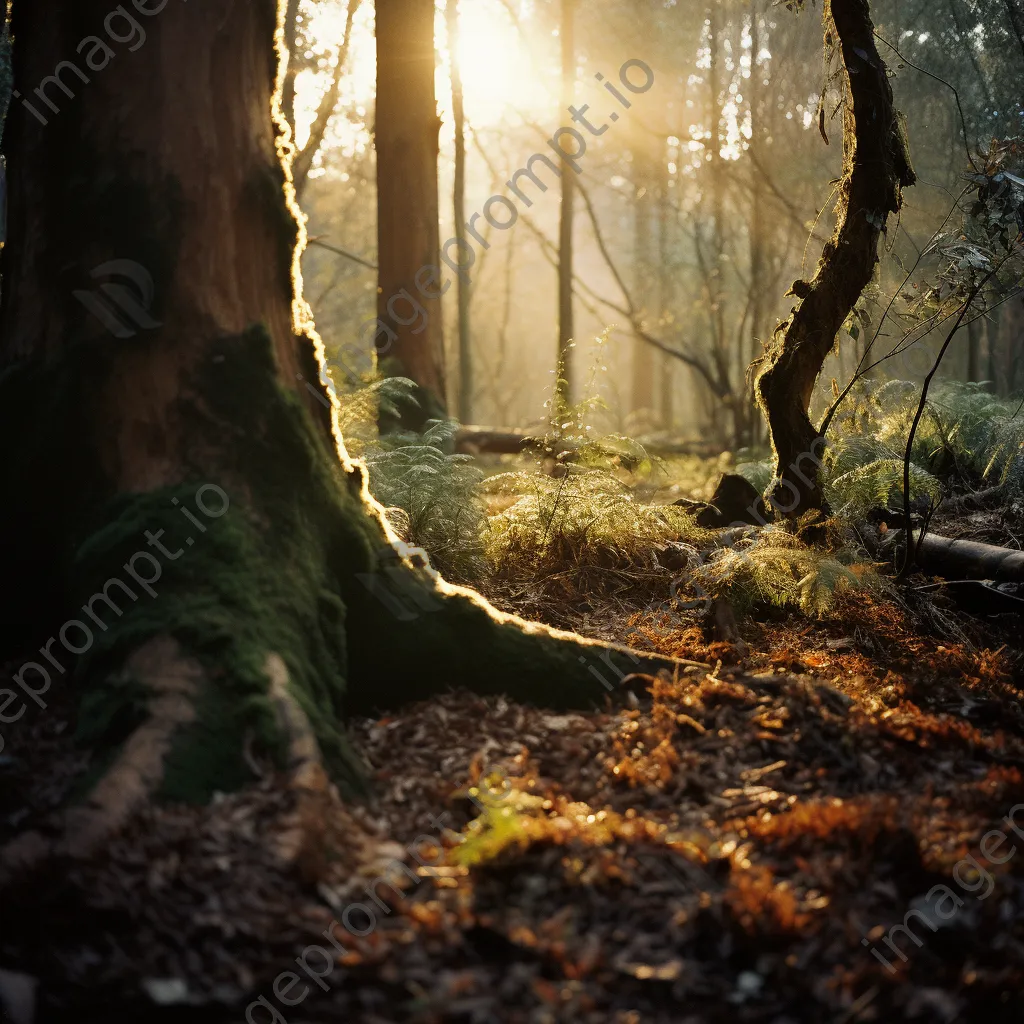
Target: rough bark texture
{"points": [[876, 167], [291, 585], [125, 171], [406, 138]]}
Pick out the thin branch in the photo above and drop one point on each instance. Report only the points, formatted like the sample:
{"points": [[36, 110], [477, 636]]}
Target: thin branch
{"points": [[780, 197], [325, 111], [630, 310], [342, 252], [861, 370], [942, 81], [908, 541], [550, 251]]}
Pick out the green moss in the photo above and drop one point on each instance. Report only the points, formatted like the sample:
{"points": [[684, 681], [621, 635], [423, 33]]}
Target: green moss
{"points": [[263, 577]]}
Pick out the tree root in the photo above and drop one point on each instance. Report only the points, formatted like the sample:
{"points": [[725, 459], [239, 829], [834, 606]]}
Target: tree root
{"points": [[135, 776], [173, 681], [457, 640]]}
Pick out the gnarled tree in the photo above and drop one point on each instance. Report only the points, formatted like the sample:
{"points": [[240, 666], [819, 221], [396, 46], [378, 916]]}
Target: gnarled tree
{"points": [[876, 167]]}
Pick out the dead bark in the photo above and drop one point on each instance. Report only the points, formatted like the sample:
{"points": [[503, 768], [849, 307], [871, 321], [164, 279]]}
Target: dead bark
{"points": [[876, 167]]}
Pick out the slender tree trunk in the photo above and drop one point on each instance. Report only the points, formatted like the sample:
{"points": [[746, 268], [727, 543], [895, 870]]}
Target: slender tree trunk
{"points": [[465, 405], [186, 507], [566, 329], [757, 198], [665, 292], [973, 351], [875, 169], [716, 178], [644, 271], [410, 342]]}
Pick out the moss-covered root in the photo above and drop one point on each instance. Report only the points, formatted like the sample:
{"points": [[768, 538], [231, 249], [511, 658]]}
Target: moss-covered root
{"points": [[409, 638]]}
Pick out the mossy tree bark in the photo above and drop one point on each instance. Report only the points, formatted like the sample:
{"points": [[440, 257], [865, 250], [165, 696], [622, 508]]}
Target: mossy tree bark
{"points": [[182, 494], [876, 167]]}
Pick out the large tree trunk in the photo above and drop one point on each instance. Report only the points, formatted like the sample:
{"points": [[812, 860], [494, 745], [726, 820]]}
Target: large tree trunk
{"points": [[190, 468], [409, 338], [876, 167]]}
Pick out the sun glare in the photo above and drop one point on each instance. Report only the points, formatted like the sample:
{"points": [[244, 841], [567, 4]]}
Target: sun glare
{"points": [[327, 27], [498, 77]]}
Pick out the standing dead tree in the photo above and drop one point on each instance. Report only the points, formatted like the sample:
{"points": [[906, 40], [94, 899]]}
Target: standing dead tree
{"points": [[876, 168]]}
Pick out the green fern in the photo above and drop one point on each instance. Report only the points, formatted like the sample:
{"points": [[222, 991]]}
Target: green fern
{"points": [[772, 567], [431, 495], [879, 484], [586, 526], [966, 435]]}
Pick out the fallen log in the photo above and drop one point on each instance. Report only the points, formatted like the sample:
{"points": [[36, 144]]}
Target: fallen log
{"points": [[968, 559], [477, 440]]}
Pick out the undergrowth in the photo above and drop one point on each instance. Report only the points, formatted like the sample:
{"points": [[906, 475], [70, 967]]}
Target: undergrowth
{"points": [[967, 438], [430, 492], [772, 567], [572, 528]]}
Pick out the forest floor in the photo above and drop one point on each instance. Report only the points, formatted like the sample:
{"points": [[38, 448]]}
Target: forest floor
{"points": [[732, 844]]}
